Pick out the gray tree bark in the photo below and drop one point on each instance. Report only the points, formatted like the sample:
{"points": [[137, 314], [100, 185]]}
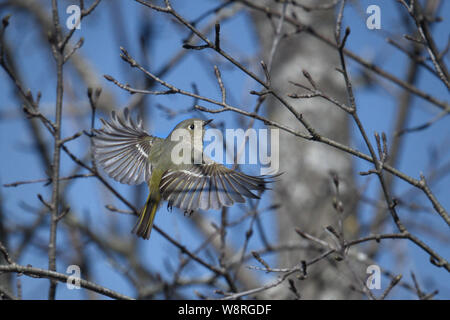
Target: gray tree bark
{"points": [[306, 190]]}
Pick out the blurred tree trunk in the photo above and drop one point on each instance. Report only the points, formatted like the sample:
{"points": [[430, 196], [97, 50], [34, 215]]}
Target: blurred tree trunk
{"points": [[306, 190]]}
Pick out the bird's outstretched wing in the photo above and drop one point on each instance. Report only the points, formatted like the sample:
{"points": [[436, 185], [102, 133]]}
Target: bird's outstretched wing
{"points": [[122, 148], [209, 186]]}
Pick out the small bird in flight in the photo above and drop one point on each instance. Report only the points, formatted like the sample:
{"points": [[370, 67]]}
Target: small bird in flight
{"points": [[130, 155]]}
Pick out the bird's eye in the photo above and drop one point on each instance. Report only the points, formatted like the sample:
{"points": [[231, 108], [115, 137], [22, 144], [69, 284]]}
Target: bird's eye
{"points": [[192, 126]]}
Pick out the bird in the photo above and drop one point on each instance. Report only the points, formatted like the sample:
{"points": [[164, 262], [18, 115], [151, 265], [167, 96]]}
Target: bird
{"points": [[129, 155]]}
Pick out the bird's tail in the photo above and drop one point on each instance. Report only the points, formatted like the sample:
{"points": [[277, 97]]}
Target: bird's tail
{"points": [[144, 224]]}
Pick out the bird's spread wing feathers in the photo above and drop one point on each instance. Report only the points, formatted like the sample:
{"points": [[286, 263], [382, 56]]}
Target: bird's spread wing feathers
{"points": [[209, 186], [122, 148]]}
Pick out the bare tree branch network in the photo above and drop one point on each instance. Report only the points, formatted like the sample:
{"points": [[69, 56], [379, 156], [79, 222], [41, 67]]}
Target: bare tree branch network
{"points": [[358, 92]]}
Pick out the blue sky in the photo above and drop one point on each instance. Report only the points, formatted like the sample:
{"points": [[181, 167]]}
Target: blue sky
{"points": [[88, 198]]}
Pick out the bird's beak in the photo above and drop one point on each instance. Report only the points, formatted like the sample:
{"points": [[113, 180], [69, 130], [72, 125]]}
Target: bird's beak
{"points": [[206, 122]]}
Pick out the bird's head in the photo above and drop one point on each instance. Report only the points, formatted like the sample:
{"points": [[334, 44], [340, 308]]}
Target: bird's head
{"points": [[193, 126]]}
